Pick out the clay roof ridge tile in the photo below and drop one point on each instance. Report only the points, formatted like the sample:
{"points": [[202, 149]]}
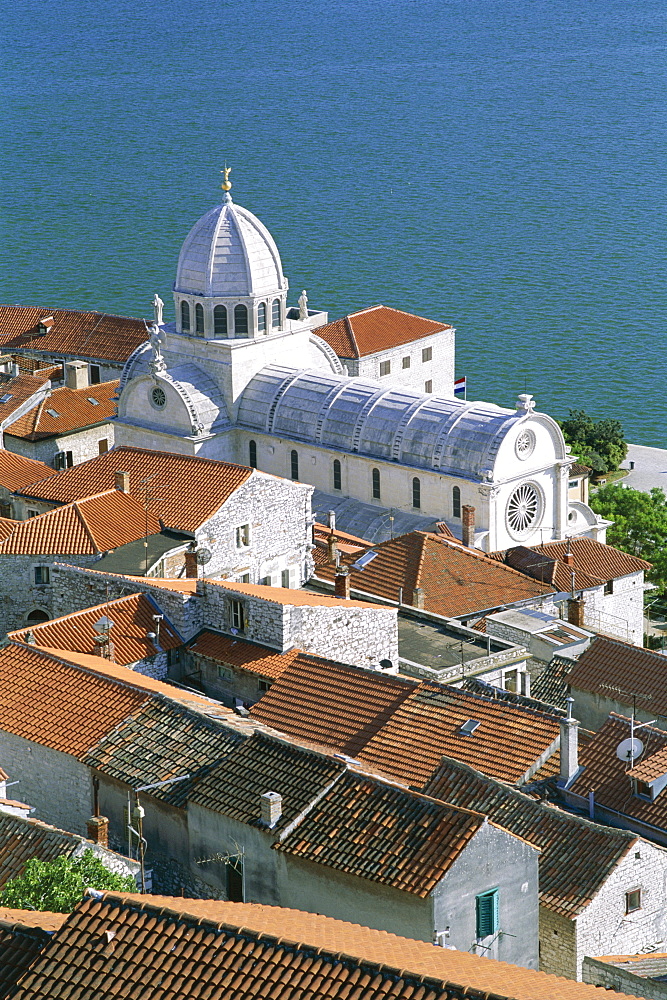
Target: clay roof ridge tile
{"points": [[86, 527], [353, 339]]}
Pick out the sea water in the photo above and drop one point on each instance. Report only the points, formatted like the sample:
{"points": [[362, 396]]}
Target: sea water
{"points": [[497, 165]]}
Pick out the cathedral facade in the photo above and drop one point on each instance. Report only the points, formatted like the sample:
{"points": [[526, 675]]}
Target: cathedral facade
{"points": [[241, 376]]}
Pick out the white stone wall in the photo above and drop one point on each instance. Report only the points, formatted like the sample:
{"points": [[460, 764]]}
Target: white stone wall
{"points": [[621, 613], [56, 784], [609, 977], [439, 370], [84, 444]]}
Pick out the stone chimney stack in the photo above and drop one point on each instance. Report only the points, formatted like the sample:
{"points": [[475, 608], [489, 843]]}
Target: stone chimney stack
{"points": [[342, 583], [332, 520], [468, 525], [568, 558], [569, 745], [418, 598], [191, 566], [98, 830], [76, 375], [271, 805], [122, 483], [332, 548], [575, 611]]}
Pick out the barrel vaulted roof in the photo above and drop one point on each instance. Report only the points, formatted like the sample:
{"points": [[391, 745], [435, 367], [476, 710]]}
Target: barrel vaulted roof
{"points": [[387, 422]]}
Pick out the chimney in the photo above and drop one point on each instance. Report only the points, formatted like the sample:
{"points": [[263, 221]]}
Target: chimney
{"points": [[332, 548], [575, 611], [569, 746], [123, 482], [342, 583], [468, 524], [418, 598], [332, 520], [76, 375], [568, 559], [271, 805], [191, 566], [98, 830], [14, 370]]}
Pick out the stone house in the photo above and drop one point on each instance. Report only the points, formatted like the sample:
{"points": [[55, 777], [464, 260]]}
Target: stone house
{"points": [[58, 336], [243, 524], [543, 635], [591, 876], [380, 342], [633, 975], [73, 424]]}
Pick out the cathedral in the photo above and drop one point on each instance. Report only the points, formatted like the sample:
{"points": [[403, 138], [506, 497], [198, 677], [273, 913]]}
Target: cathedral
{"points": [[361, 408]]}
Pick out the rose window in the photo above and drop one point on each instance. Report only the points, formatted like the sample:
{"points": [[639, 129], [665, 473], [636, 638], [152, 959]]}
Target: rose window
{"points": [[523, 509], [525, 444], [158, 397]]}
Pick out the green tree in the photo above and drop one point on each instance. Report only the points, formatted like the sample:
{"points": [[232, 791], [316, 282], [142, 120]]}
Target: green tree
{"points": [[640, 525], [600, 444], [57, 886]]}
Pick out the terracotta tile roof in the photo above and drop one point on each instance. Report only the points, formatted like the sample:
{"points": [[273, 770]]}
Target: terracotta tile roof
{"points": [[20, 944], [296, 598], [34, 365], [346, 544], [456, 580], [611, 669], [377, 831], [190, 948], [75, 409], [133, 620], [69, 701], [577, 856], [17, 472], [593, 563], [649, 966], [610, 778], [33, 918], [551, 686], [7, 526], [209, 484], [237, 653], [162, 740], [331, 704], [17, 391], [90, 526], [579, 470], [508, 744], [377, 328], [79, 334], [265, 764]]}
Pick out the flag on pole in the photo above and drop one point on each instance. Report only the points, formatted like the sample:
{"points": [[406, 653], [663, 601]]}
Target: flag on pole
{"points": [[460, 387]]}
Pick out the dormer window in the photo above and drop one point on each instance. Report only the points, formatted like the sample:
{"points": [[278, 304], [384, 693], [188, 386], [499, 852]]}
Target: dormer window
{"points": [[45, 324], [644, 789]]}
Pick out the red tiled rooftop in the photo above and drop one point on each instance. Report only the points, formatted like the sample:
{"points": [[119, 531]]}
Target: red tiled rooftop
{"points": [[187, 489], [18, 391], [236, 653], [74, 409], [296, 598], [594, 563], [609, 668], [377, 328], [17, 472], [77, 334]]}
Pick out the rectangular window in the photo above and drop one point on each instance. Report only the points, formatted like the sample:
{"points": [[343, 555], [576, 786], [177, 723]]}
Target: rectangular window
{"points": [[69, 459], [95, 375], [427, 354], [102, 446], [572, 483], [285, 578], [609, 587], [243, 536], [486, 911], [263, 686], [245, 578], [60, 461], [428, 386], [42, 575], [235, 880], [644, 789], [511, 680], [266, 581], [385, 367], [633, 900], [406, 362], [225, 673], [237, 616], [32, 513]]}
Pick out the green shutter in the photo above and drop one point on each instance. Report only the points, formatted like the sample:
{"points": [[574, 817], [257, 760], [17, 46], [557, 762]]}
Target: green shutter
{"points": [[487, 913]]}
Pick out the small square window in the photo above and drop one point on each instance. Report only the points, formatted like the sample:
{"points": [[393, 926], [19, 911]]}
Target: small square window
{"points": [[633, 900], [263, 686], [427, 354], [428, 386], [42, 575], [225, 673], [385, 367], [406, 362], [32, 513], [243, 536]]}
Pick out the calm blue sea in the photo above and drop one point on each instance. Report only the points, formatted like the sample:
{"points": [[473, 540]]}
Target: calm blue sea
{"points": [[499, 165]]}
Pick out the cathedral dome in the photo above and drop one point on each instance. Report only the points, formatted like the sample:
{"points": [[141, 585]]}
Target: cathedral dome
{"points": [[229, 253]]}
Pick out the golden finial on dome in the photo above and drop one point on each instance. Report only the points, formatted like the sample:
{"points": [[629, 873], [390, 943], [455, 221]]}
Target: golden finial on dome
{"points": [[226, 184]]}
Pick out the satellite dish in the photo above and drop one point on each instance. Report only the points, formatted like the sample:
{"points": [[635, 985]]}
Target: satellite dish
{"points": [[629, 750], [203, 556]]}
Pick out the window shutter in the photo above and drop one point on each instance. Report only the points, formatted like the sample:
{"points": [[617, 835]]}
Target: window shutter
{"points": [[487, 913]]}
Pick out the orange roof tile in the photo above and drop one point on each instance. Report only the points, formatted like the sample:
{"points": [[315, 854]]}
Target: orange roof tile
{"points": [[611, 669], [76, 334], [189, 489], [7, 525], [248, 949], [133, 620], [456, 580], [17, 472], [33, 918], [594, 563], [17, 391], [296, 598], [237, 653], [75, 409], [377, 328], [96, 524]]}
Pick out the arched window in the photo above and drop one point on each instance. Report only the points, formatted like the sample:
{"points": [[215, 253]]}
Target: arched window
{"points": [[199, 318], [294, 464], [240, 320], [275, 314], [261, 318], [252, 452], [37, 616], [185, 317], [338, 479], [416, 492], [220, 321], [376, 484], [456, 502]]}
